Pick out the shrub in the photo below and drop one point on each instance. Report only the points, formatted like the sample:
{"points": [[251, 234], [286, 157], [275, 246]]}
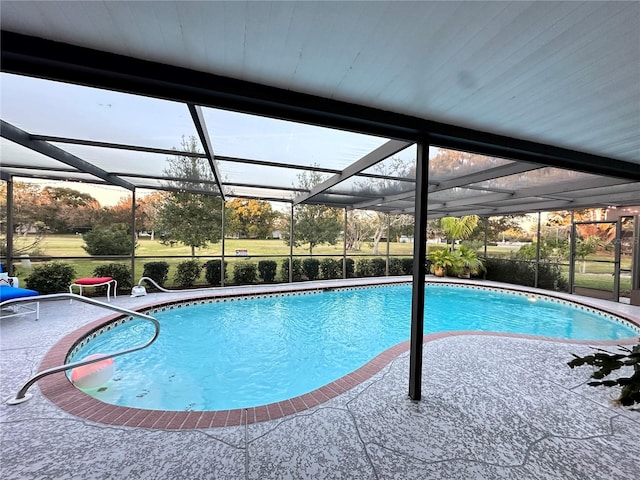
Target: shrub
{"points": [[351, 267], [330, 268], [187, 273], [311, 268], [213, 272], [157, 271], [297, 270], [118, 271], [51, 277], [113, 240], [395, 266], [363, 268], [407, 266], [245, 273], [523, 273], [378, 267], [267, 270]]}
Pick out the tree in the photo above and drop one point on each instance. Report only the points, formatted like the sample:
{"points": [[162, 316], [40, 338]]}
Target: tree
{"points": [[359, 228], [606, 232], [190, 218], [67, 210], [458, 228], [495, 226], [147, 208], [394, 173], [148, 212], [313, 224], [112, 240], [26, 218], [585, 247], [249, 218]]}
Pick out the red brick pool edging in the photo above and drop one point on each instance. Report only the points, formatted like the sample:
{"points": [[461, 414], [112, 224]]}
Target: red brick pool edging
{"points": [[59, 390]]}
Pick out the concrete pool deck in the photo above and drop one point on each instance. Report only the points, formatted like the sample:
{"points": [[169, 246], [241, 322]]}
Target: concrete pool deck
{"points": [[492, 407]]}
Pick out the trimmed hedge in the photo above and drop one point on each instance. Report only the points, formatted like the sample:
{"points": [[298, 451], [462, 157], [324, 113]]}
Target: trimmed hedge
{"points": [[311, 268], [245, 273], [330, 268], [523, 273], [157, 271], [187, 273], [213, 272], [297, 270], [118, 271], [407, 266], [378, 267], [51, 277], [351, 268], [395, 266], [267, 270], [363, 268]]}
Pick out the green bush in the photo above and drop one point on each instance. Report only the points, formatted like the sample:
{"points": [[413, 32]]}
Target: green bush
{"points": [[213, 272], [114, 240], [297, 270], [363, 268], [51, 277], [245, 273], [395, 266], [378, 267], [157, 271], [330, 268], [311, 268], [524, 273], [351, 267], [187, 273], [118, 271], [267, 270], [407, 266]]}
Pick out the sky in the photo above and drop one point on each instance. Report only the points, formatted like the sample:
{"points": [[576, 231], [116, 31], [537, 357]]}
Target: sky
{"points": [[49, 108]]}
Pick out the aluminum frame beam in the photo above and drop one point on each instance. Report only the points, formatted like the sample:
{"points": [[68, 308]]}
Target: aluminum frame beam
{"points": [[201, 128], [372, 158], [118, 146], [19, 136]]}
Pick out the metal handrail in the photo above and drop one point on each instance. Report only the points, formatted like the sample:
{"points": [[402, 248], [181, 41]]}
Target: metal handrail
{"points": [[22, 395]]}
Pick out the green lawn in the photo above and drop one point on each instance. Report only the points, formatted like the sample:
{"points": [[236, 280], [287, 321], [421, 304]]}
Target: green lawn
{"points": [[60, 246], [71, 246], [597, 274]]}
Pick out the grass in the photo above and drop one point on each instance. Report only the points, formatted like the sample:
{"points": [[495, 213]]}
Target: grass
{"points": [[70, 246], [597, 274]]}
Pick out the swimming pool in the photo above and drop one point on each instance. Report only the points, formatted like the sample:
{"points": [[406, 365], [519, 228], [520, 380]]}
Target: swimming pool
{"points": [[246, 352]]}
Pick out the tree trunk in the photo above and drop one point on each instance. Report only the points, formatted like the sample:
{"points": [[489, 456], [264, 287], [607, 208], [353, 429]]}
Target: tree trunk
{"points": [[376, 239], [193, 251]]}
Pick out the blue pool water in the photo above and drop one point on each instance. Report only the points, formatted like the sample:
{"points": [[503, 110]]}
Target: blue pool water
{"points": [[253, 352]]}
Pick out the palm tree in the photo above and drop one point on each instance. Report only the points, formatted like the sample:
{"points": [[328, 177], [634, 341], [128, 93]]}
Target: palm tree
{"points": [[458, 228]]}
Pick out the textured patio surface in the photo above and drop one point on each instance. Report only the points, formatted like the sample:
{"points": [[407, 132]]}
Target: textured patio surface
{"points": [[493, 407]]}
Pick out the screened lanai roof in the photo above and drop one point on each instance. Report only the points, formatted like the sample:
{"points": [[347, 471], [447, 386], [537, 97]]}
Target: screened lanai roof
{"points": [[105, 92]]}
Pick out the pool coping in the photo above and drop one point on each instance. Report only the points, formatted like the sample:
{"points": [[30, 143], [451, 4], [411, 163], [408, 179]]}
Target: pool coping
{"points": [[59, 390]]}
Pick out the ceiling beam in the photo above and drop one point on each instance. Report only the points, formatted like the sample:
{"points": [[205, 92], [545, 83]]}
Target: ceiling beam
{"points": [[372, 158], [28, 55], [16, 135], [201, 128]]}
